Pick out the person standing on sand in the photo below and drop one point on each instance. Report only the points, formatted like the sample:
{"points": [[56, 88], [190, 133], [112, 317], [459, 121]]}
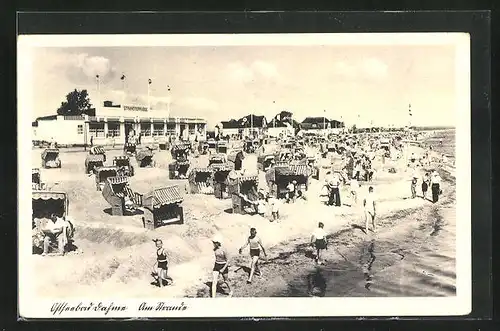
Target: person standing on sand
{"points": [[261, 206], [290, 195], [221, 266], [425, 185], [435, 186], [334, 186], [255, 248], [318, 240], [413, 187], [357, 169], [369, 205], [369, 170], [354, 187], [161, 264], [275, 208]]}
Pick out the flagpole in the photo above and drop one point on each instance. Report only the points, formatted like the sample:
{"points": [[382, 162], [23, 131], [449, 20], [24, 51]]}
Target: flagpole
{"points": [[149, 100], [410, 116], [123, 89], [274, 119], [98, 91], [169, 100]]}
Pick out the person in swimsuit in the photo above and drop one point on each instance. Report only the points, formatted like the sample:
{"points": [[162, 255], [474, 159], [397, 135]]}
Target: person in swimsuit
{"points": [[255, 248], [369, 205], [318, 240], [161, 264], [221, 266]]}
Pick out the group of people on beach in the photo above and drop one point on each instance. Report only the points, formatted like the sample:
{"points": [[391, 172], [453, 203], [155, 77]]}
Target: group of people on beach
{"points": [[222, 262], [361, 169], [430, 180]]}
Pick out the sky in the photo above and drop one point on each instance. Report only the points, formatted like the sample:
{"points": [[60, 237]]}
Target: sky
{"points": [[219, 83]]}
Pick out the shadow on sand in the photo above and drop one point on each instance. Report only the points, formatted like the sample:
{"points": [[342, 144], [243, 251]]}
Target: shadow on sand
{"points": [[126, 213], [358, 227]]}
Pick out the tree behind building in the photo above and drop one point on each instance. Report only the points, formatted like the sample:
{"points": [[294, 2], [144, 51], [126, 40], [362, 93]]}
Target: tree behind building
{"points": [[77, 103]]}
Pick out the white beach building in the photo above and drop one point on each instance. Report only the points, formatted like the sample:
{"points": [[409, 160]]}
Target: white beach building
{"points": [[116, 121]]}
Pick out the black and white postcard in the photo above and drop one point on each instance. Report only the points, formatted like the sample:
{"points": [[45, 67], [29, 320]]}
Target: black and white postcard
{"points": [[244, 175]]}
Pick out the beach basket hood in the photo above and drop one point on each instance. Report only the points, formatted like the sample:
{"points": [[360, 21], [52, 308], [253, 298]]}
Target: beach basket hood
{"points": [[162, 196]]}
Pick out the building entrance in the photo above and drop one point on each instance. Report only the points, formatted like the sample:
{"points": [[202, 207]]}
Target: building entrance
{"points": [[129, 130]]}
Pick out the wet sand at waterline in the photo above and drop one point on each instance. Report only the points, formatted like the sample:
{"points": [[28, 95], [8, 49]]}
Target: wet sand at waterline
{"points": [[412, 252]]}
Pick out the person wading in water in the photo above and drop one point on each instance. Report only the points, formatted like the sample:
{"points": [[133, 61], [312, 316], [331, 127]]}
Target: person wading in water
{"points": [[369, 205], [255, 248], [221, 266]]}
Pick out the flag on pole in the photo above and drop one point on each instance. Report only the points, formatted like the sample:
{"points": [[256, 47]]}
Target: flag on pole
{"points": [[169, 100], [149, 101]]}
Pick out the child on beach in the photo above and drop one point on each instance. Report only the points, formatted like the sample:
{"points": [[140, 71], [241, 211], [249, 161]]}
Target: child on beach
{"points": [[161, 264], [318, 240]]}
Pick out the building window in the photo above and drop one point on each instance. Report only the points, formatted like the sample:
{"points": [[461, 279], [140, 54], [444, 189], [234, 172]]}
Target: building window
{"points": [[191, 129], [158, 129], [171, 129], [146, 129], [96, 129], [80, 129], [113, 129]]}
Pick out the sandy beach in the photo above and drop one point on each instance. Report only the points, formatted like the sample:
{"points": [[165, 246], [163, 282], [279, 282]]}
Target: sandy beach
{"points": [[411, 254]]}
